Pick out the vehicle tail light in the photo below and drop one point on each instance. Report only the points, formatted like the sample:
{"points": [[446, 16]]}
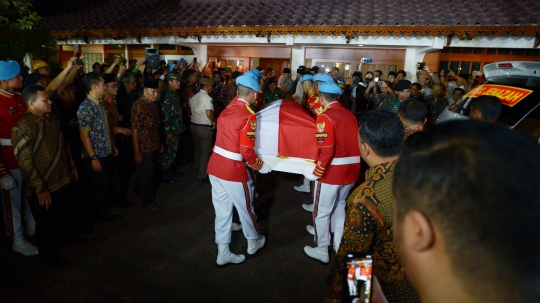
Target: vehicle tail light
{"points": [[504, 65]]}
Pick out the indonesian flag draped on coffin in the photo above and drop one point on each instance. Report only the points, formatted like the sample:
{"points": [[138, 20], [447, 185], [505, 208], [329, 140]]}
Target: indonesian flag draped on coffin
{"points": [[285, 137]]}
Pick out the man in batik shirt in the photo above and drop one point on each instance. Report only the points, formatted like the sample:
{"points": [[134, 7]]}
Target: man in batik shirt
{"points": [[219, 93], [370, 210]]}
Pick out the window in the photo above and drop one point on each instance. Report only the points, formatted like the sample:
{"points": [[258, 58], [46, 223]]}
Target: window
{"points": [[443, 65], [467, 50], [465, 68], [476, 66], [90, 59], [531, 52], [454, 66], [455, 50], [518, 52], [491, 51], [503, 51], [478, 51]]}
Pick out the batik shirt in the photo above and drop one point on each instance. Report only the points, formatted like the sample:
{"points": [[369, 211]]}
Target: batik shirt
{"points": [[369, 229], [92, 117], [43, 155], [435, 108], [145, 119]]}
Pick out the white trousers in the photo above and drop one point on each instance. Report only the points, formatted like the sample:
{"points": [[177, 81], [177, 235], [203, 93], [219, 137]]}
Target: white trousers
{"points": [[329, 210], [229, 194], [16, 206]]}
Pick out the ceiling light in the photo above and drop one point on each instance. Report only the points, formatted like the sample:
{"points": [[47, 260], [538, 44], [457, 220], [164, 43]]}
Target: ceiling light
{"points": [[360, 44]]}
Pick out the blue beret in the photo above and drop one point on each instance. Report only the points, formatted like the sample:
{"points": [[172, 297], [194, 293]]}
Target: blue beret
{"points": [[9, 69], [251, 74], [257, 73], [322, 77], [249, 82], [330, 87], [306, 77]]}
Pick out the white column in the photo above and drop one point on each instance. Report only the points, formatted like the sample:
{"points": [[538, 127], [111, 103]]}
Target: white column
{"points": [[201, 52], [297, 58]]}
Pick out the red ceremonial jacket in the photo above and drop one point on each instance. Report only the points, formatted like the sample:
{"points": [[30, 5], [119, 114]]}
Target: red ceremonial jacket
{"points": [[12, 108], [337, 139], [314, 105], [235, 139]]}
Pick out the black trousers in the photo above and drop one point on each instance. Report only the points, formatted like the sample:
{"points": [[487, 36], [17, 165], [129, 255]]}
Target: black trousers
{"points": [[56, 224], [148, 178], [124, 162], [105, 188]]}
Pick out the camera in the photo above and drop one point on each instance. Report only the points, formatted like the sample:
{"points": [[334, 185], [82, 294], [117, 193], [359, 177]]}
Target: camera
{"points": [[421, 65], [195, 59], [79, 62], [446, 72]]}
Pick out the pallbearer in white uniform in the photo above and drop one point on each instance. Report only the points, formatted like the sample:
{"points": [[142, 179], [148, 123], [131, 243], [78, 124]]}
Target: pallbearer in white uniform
{"points": [[230, 171], [336, 171]]}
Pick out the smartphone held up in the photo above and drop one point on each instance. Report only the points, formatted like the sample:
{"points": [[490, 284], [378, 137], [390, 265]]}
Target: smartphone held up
{"points": [[357, 278]]}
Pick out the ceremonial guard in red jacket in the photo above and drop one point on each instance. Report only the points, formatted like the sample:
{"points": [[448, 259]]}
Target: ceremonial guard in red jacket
{"points": [[12, 108], [230, 171], [314, 105], [336, 171]]}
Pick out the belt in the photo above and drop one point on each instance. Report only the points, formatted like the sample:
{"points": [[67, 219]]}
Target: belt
{"points": [[5, 142], [345, 160], [227, 154], [201, 124]]}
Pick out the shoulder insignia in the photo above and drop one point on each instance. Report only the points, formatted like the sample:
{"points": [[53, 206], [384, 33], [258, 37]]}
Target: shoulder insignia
{"points": [[250, 110], [253, 124], [319, 110], [17, 93], [320, 127]]}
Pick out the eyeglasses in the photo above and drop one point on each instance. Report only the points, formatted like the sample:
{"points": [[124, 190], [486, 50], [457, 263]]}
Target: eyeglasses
{"points": [[113, 86]]}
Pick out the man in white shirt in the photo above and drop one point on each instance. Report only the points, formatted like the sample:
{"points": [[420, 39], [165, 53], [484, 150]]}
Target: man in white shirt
{"points": [[203, 124]]}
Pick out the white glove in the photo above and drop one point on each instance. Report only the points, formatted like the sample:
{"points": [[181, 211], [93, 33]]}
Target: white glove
{"points": [[309, 176], [8, 182], [265, 169]]}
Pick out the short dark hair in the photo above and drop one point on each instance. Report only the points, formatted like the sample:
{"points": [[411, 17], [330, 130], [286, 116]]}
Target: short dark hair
{"points": [[457, 174], [489, 106], [402, 72], [412, 110], [382, 131], [329, 97], [459, 89], [188, 73], [127, 77], [243, 91], [378, 71], [95, 64], [30, 93], [269, 69], [92, 79], [417, 85]]}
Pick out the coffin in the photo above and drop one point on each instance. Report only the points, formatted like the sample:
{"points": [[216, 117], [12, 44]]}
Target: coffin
{"points": [[285, 137]]}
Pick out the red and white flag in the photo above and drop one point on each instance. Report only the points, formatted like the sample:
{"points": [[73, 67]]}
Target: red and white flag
{"points": [[285, 137]]}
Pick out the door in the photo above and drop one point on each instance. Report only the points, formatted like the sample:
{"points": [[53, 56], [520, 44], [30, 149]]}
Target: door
{"points": [[277, 64]]}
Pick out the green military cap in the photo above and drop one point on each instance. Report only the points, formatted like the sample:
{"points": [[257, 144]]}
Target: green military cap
{"points": [[173, 77]]}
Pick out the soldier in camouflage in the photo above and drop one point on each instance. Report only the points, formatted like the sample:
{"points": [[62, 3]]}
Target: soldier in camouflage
{"points": [[173, 125]]}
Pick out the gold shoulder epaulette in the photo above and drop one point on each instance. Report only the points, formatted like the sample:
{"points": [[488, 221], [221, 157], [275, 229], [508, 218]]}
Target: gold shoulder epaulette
{"points": [[250, 110]]}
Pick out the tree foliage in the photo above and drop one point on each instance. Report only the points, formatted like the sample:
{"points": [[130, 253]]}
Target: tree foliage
{"points": [[20, 33]]}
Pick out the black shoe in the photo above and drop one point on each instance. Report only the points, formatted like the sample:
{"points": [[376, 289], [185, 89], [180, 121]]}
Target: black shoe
{"points": [[112, 218], [168, 180], [124, 205], [176, 174], [87, 230], [204, 180]]}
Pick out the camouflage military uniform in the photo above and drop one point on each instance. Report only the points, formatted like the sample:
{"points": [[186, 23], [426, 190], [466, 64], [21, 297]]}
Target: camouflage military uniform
{"points": [[172, 124]]}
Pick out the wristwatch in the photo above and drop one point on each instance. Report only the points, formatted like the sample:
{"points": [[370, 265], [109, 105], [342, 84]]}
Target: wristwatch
{"points": [[94, 157]]}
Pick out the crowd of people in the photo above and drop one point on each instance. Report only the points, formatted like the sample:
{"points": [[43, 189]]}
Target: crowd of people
{"points": [[431, 195]]}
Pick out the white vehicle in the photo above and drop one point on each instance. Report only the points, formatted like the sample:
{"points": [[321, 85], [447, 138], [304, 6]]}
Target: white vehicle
{"points": [[517, 85]]}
